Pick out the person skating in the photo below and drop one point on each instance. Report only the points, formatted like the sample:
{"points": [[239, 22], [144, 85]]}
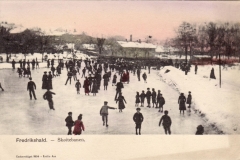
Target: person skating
{"points": [[137, 99], [45, 81], [212, 75], [167, 122], [13, 64], [196, 68], [1, 87], [69, 123], [78, 86], [86, 86], [158, 98], [119, 88], [138, 74], [189, 99], [104, 113], [53, 69], [144, 76], [154, 95], [78, 126], [142, 97], [19, 71], [48, 96], [114, 81], [200, 130], [105, 81], [69, 77], [121, 101], [30, 87], [37, 64], [74, 72], [181, 102], [94, 87], [138, 119], [161, 102], [148, 96], [83, 72], [48, 63], [33, 64], [49, 80]]}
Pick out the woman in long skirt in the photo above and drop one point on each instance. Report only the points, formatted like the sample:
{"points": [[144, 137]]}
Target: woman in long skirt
{"points": [[121, 101], [86, 86], [94, 87], [114, 81], [181, 102], [142, 96], [78, 126]]}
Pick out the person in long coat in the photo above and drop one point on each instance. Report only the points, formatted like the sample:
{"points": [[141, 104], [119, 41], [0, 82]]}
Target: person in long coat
{"points": [[142, 96], [161, 102], [148, 96], [121, 101], [94, 87], [137, 99], [114, 81], [78, 126], [78, 86], [212, 75], [49, 80], [45, 81], [189, 99], [69, 123], [181, 102], [86, 86], [48, 96], [105, 81], [144, 77]]}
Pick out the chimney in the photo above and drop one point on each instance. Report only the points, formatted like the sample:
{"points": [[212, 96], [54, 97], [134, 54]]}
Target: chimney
{"points": [[130, 38]]}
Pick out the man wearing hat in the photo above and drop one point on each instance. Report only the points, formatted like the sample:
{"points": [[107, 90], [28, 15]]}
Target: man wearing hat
{"points": [[69, 123], [104, 113], [45, 81], [138, 119], [30, 87]]}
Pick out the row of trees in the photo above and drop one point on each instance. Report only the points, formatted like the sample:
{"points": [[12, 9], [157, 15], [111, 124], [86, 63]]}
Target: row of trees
{"points": [[207, 39]]}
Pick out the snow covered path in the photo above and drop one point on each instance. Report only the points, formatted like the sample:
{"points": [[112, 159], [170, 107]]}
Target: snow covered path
{"points": [[21, 116]]}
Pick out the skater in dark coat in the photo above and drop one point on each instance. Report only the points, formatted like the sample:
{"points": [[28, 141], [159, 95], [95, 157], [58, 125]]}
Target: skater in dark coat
{"points": [[154, 95], [144, 76], [45, 81], [48, 63], [167, 122], [196, 68], [78, 126], [212, 75], [114, 81], [78, 86], [86, 86], [59, 71], [181, 102], [121, 101], [83, 72], [13, 64], [94, 87], [104, 113], [53, 71], [138, 119], [138, 74], [119, 88], [148, 96], [142, 96], [158, 98], [69, 123], [69, 77], [30, 87], [105, 81], [50, 80], [19, 71], [48, 96], [189, 99], [137, 99], [200, 130], [161, 102], [20, 62], [24, 63]]}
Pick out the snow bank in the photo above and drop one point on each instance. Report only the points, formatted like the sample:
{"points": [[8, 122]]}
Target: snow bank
{"points": [[218, 106]]}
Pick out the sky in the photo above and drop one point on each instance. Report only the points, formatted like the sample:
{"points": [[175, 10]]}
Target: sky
{"points": [[107, 18]]}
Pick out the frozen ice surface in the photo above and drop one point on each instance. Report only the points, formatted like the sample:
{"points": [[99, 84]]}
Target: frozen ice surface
{"points": [[21, 116]]}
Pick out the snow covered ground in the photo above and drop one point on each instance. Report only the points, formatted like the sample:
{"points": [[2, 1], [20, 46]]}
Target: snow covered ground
{"points": [[218, 106], [21, 116]]}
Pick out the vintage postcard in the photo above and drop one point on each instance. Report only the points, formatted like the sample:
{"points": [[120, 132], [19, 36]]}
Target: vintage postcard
{"points": [[119, 80]]}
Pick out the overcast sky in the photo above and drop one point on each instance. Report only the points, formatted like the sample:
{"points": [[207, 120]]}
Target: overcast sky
{"points": [[107, 18]]}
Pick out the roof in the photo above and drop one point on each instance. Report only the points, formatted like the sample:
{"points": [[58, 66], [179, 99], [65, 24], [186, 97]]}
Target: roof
{"points": [[89, 46], [125, 44], [162, 49]]}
